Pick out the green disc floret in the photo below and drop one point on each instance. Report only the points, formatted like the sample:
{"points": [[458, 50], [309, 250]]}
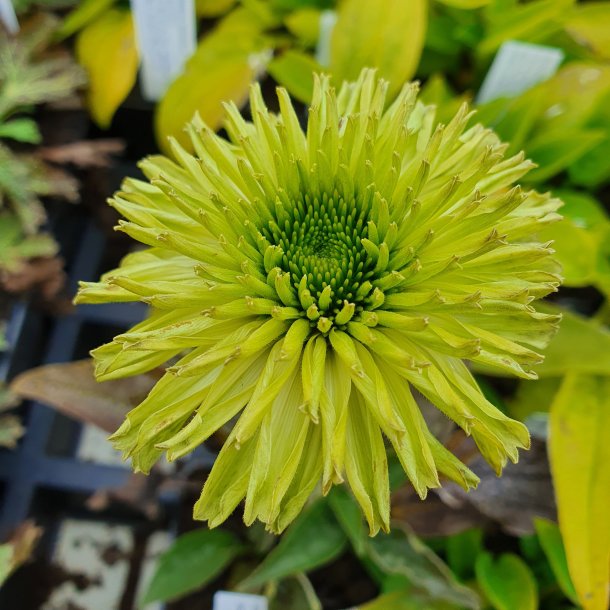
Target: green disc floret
{"points": [[319, 244]]}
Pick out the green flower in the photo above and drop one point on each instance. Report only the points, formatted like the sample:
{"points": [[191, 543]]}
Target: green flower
{"points": [[307, 285]]}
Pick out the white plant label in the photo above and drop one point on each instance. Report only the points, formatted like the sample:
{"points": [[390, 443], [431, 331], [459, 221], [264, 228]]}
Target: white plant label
{"points": [[517, 67], [8, 17], [224, 600], [328, 19], [166, 34]]}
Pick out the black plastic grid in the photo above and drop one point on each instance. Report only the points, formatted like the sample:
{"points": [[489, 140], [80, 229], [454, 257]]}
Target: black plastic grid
{"points": [[29, 467]]}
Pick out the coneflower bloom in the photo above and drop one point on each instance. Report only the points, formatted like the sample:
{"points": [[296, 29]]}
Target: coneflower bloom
{"points": [[306, 285]]}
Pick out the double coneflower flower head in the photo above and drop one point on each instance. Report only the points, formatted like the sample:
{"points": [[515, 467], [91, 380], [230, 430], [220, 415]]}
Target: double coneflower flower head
{"points": [[306, 286]]}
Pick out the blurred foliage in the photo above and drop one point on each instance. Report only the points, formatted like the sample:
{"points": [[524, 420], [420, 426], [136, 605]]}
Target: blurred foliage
{"points": [[30, 75], [11, 429], [453, 573]]}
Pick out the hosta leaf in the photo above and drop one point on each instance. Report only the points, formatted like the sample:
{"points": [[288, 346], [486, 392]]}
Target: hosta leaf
{"points": [[552, 544], [581, 345], [533, 397], [463, 550], [507, 582], [295, 593], [385, 35], [466, 4], [582, 209], [312, 541], [348, 514], [106, 49], [555, 151], [576, 249], [194, 559], [221, 70], [593, 168], [406, 600], [589, 25], [531, 22], [305, 25], [213, 8], [294, 70], [401, 553], [513, 119], [579, 456]]}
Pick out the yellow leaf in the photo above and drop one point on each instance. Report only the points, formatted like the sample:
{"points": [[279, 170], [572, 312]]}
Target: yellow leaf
{"points": [[387, 35], [589, 25], [106, 49], [222, 69], [580, 458], [465, 4], [213, 8]]}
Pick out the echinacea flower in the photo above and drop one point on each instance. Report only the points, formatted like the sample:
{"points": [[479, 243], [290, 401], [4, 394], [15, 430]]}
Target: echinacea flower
{"points": [[309, 284]]}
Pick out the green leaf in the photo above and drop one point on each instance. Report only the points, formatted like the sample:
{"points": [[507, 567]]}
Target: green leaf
{"points": [[533, 397], [514, 119], [576, 248], [22, 130], [507, 582], [213, 8], [532, 22], [402, 553], [314, 540], [552, 544], [575, 97], [294, 70], [581, 208], [221, 70], [593, 168], [579, 454], [194, 559], [462, 552], [386, 35], [305, 25], [407, 599], [349, 516], [555, 151], [581, 345], [295, 593], [81, 16], [6, 560]]}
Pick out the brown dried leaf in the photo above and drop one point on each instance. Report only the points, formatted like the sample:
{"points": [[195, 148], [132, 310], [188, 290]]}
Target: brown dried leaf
{"points": [[45, 275], [71, 389], [524, 491], [432, 517], [19, 548], [86, 153], [139, 492]]}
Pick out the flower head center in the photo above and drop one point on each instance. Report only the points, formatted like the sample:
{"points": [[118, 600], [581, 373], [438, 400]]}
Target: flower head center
{"points": [[318, 243]]}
